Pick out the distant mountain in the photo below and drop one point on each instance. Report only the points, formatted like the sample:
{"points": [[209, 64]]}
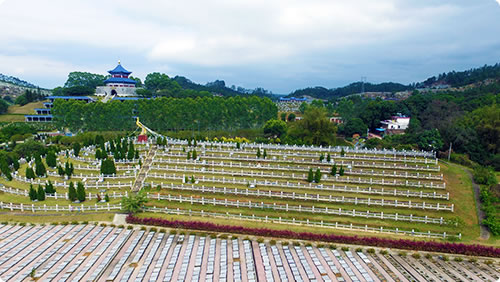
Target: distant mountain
{"points": [[462, 78], [219, 87], [16, 81], [353, 88]]}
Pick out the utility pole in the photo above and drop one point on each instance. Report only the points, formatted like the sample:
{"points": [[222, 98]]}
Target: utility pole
{"points": [[449, 152]]}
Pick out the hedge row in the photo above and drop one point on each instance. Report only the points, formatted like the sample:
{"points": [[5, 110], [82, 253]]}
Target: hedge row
{"points": [[430, 246]]}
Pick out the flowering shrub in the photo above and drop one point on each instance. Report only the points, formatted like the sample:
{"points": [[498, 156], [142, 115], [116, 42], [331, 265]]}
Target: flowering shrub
{"points": [[430, 246]]}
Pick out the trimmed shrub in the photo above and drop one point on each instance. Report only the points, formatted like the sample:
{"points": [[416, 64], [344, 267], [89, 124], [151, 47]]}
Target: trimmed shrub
{"points": [[429, 246]]}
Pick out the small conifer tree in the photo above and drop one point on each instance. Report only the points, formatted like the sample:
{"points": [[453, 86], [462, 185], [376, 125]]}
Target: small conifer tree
{"points": [[32, 193], [71, 192], [328, 158], [195, 155], [30, 174], [310, 176], [334, 170], [321, 157], [317, 176], [342, 152], [80, 192], [258, 152], [265, 154], [40, 196], [341, 171]]}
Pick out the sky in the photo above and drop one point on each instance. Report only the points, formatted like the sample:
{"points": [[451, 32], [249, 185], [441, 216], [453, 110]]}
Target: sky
{"points": [[281, 45]]}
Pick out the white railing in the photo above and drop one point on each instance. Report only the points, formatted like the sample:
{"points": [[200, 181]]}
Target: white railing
{"points": [[59, 208], [306, 222], [292, 208], [248, 170], [309, 197]]}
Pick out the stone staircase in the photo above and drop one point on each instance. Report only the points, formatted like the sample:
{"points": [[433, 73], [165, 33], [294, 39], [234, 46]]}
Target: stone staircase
{"points": [[141, 176]]}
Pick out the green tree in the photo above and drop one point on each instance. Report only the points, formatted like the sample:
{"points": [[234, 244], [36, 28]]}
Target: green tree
{"points": [[76, 148], [49, 188], [131, 151], [192, 179], [291, 117], [134, 202], [80, 191], [342, 152], [321, 157], [108, 166], [283, 116], [67, 169], [310, 175], [86, 79], [264, 155], [40, 168], [40, 195], [353, 126], [106, 198], [275, 128], [317, 176], [60, 170], [315, 128], [258, 152], [32, 193], [195, 155], [334, 170], [72, 196], [188, 155], [30, 174], [328, 158], [51, 159], [4, 167], [341, 171]]}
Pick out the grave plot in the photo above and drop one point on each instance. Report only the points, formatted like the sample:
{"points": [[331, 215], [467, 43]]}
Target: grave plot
{"points": [[370, 191], [401, 193], [98, 253]]}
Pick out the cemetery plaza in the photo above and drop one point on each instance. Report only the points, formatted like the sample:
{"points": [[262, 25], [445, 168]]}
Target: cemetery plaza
{"points": [[327, 190]]}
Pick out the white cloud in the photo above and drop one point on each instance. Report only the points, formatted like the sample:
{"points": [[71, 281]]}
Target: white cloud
{"points": [[283, 38]]}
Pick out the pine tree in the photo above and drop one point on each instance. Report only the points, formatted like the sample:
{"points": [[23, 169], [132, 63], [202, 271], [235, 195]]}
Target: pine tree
{"points": [[195, 143], [15, 164], [60, 170], [186, 179], [258, 152], [80, 192], [49, 188], [310, 176], [51, 159], [76, 148], [328, 158], [136, 156], [108, 166], [342, 152], [40, 168], [4, 167], [32, 193], [71, 168], [341, 171], [265, 154], [192, 179], [189, 142], [106, 198], [98, 154], [131, 152], [238, 146], [30, 174], [67, 169], [188, 155], [40, 195], [317, 176], [321, 157], [195, 155], [71, 192], [334, 170]]}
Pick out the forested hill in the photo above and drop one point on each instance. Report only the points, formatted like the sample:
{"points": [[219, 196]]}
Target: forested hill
{"points": [[462, 78], [219, 87], [16, 81], [353, 88]]}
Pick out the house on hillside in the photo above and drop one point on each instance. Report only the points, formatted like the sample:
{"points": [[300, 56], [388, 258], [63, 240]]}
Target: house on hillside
{"points": [[396, 125]]}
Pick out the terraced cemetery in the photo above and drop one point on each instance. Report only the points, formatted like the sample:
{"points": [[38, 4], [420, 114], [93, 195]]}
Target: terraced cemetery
{"points": [[387, 193], [99, 253]]}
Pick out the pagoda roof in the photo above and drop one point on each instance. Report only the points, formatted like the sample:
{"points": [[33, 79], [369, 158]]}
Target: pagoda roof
{"points": [[119, 70], [120, 80]]}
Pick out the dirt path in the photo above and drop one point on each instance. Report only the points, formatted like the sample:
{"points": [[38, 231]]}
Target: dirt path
{"points": [[485, 233]]}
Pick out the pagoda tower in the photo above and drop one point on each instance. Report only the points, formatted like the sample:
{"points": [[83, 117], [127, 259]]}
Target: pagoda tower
{"points": [[119, 84]]}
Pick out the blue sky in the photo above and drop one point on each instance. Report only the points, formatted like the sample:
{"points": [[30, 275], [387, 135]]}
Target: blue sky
{"points": [[280, 45]]}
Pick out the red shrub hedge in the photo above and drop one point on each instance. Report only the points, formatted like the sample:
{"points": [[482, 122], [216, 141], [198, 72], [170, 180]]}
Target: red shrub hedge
{"points": [[430, 246]]}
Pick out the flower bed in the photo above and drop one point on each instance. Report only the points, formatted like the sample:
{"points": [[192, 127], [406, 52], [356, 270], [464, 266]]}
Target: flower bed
{"points": [[455, 248]]}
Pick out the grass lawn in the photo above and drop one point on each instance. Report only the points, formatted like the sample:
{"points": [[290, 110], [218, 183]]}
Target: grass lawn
{"points": [[28, 109], [12, 118], [42, 217]]}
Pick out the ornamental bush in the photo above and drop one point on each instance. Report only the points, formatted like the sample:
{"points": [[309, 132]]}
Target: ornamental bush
{"points": [[429, 246]]}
